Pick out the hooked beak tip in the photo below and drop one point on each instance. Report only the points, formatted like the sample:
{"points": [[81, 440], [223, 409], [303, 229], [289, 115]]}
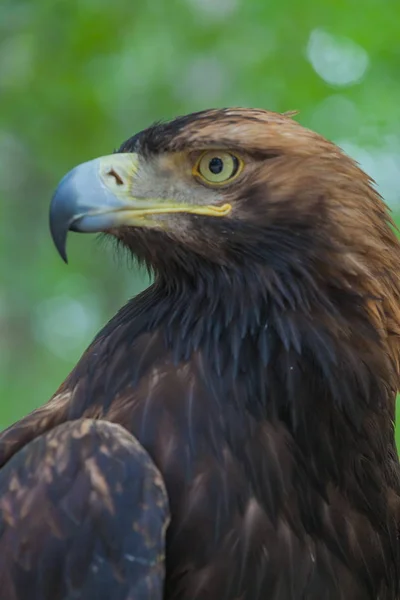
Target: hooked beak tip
{"points": [[59, 238], [59, 227]]}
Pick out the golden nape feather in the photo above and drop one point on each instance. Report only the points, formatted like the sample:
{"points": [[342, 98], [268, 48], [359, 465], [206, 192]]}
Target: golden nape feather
{"points": [[255, 379]]}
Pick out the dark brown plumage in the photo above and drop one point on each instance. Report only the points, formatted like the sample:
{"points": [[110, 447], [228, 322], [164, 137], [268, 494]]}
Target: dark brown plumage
{"points": [[259, 372]]}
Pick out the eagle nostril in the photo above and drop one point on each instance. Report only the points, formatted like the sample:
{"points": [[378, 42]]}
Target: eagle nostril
{"points": [[117, 177]]}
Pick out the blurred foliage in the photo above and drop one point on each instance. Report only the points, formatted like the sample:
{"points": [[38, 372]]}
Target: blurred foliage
{"points": [[78, 77]]}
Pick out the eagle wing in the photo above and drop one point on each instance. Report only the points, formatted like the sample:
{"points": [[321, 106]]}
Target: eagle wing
{"points": [[83, 514]]}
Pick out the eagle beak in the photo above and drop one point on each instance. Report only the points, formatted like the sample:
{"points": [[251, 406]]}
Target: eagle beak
{"points": [[101, 194], [92, 197]]}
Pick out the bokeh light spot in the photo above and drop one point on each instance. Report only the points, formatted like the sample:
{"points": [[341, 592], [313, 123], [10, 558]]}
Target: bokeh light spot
{"points": [[63, 323], [337, 60]]}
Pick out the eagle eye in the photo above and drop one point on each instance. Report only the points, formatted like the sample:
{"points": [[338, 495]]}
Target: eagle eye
{"points": [[217, 167]]}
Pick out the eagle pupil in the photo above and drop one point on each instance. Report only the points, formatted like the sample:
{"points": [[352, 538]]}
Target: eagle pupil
{"points": [[216, 165]]}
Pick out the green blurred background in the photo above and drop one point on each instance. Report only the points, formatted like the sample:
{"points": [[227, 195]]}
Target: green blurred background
{"points": [[78, 77]]}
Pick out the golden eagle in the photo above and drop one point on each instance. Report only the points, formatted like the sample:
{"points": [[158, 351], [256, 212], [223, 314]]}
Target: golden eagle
{"points": [[255, 379]]}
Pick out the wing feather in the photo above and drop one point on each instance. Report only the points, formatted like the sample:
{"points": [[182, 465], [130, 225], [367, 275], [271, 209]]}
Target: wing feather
{"points": [[83, 514]]}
